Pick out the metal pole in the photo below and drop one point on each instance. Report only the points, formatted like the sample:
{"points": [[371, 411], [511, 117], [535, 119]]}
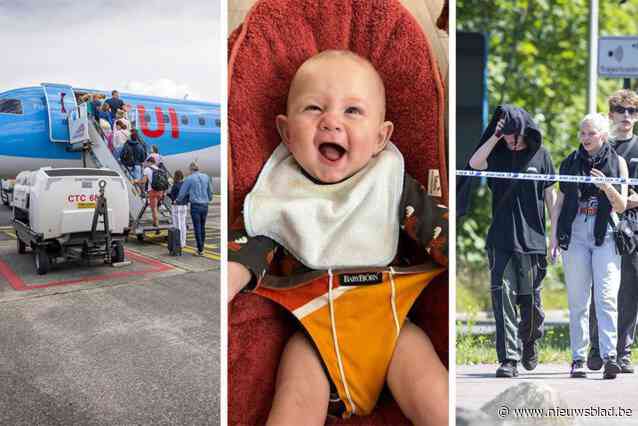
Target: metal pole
{"points": [[592, 91]]}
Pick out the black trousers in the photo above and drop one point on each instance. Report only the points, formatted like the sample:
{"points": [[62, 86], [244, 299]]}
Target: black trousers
{"points": [[627, 308], [515, 283]]}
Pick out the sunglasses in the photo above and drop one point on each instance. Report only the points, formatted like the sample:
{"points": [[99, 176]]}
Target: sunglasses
{"points": [[621, 110]]}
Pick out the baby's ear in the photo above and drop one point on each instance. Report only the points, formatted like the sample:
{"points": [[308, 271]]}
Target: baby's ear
{"points": [[385, 132], [282, 128]]}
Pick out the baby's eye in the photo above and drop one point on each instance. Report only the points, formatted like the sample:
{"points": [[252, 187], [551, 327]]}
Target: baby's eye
{"points": [[353, 110], [312, 108]]}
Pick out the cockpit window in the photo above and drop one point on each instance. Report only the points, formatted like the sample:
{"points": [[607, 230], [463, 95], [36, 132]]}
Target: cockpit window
{"points": [[10, 106]]}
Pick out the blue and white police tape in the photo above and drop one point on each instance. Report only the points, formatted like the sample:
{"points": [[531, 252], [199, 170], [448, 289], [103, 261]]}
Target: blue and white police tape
{"points": [[553, 178]]}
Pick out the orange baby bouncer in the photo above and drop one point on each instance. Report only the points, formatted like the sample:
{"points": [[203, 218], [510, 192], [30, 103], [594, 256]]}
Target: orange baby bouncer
{"points": [[265, 51]]}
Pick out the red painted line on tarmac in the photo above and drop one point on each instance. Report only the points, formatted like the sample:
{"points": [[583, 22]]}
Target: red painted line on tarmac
{"points": [[18, 284]]}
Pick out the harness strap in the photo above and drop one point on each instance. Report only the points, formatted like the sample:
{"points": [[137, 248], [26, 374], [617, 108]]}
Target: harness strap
{"points": [[336, 342], [393, 301]]}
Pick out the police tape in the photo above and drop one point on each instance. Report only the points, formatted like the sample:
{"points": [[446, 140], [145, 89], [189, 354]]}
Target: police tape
{"points": [[542, 177]]}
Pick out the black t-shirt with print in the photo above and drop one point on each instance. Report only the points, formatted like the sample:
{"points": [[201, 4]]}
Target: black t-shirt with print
{"points": [[518, 211], [628, 149]]}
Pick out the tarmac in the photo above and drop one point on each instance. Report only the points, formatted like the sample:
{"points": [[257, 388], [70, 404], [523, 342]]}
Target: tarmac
{"points": [[476, 385], [100, 345]]}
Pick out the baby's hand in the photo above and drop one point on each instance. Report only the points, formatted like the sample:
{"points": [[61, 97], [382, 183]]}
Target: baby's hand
{"points": [[238, 278]]}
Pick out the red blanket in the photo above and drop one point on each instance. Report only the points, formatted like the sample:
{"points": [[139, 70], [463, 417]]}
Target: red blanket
{"points": [[265, 51]]}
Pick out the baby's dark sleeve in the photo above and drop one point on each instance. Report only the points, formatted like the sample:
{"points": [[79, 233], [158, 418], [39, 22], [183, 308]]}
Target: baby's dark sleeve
{"points": [[424, 220], [255, 253]]}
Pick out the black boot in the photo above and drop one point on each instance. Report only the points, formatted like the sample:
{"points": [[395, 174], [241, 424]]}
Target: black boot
{"points": [[530, 355], [507, 369]]}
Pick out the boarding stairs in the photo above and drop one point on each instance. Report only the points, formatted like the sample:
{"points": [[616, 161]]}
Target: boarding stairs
{"points": [[96, 153]]}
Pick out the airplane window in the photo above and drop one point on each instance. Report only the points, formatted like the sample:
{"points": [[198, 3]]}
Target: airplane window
{"points": [[147, 117], [166, 119], [185, 120], [10, 106], [218, 122], [202, 121]]}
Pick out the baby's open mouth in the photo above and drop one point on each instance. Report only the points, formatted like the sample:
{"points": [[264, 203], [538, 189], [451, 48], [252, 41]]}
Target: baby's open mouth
{"points": [[331, 151]]}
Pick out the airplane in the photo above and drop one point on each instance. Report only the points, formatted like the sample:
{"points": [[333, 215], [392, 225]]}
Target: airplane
{"points": [[34, 128]]}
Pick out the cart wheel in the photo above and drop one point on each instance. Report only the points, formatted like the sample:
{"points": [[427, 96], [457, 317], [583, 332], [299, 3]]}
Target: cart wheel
{"points": [[22, 247], [42, 262], [117, 252], [140, 237]]}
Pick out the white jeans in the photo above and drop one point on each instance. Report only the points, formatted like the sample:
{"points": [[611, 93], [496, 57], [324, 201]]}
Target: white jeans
{"points": [[585, 263], [178, 213]]}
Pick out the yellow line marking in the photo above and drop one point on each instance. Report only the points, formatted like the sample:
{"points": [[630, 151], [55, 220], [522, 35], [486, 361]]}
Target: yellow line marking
{"points": [[191, 250]]}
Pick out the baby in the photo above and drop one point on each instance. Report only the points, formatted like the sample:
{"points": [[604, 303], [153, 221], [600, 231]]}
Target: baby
{"points": [[334, 195]]}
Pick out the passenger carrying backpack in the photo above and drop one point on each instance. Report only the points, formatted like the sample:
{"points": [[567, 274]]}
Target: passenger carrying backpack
{"points": [[160, 180], [128, 156]]}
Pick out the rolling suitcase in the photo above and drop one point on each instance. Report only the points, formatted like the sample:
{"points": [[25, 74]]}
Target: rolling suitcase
{"points": [[174, 242]]}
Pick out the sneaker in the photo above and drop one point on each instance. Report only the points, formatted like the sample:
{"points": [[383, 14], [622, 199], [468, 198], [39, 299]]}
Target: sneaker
{"points": [[507, 369], [625, 366], [612, 369], [578, 369], [594, 361], [530, 355]]}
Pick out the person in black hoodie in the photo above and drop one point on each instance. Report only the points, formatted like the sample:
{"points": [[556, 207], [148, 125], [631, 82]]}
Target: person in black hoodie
{"points": [[623, 113], [583, 213], [515, 243], [133, 154]]}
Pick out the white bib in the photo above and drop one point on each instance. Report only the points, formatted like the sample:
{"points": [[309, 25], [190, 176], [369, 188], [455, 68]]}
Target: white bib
{"points": [[354, 223]]}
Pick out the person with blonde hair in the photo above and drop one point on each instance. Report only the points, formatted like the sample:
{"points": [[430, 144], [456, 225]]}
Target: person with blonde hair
{"points": [[121, 115], [582, 228]]}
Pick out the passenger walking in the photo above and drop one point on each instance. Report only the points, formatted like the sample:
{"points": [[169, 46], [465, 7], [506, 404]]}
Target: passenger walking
{"points": [[197, 189], [120, 136], [155, 154], [155, 183], [94, 106], [178, 211], [114, 103], [132, 155], [104, 116], [582, 217], [121, 115], [623, 113]]}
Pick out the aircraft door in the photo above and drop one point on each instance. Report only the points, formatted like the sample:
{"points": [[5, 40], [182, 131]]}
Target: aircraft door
{"points": [[60, 101]]}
